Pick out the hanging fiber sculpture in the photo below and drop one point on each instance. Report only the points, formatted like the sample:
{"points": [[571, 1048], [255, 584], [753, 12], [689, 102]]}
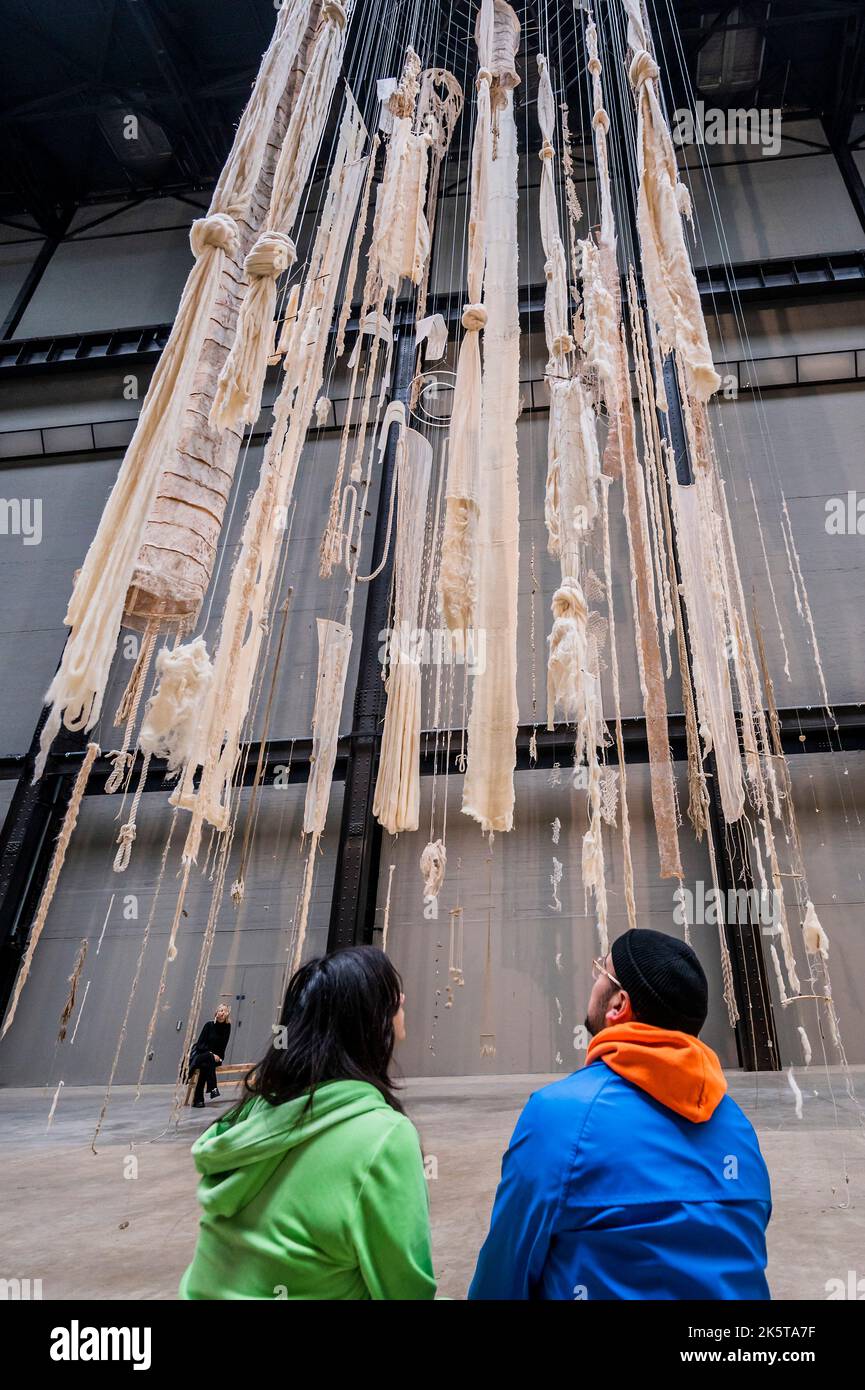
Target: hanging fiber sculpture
{"points": [[96, 607], [488, 791], [458, 571]]}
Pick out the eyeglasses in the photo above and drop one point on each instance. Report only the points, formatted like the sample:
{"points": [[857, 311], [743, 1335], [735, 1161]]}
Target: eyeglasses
{"points": [[599, 969]]}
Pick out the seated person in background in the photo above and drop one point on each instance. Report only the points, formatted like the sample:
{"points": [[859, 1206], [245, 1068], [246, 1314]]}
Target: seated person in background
{"points": [[207, 1053], [637, 1177]]}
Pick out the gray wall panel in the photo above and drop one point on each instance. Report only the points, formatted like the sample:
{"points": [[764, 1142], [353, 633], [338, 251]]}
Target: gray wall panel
{"points": [[829, 794], [508, 891], [35, 582], [110, 282], [248, 957]]}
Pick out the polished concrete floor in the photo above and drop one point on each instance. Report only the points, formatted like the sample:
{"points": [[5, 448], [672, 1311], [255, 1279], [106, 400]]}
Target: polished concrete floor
{"points": [[121, 1223]]}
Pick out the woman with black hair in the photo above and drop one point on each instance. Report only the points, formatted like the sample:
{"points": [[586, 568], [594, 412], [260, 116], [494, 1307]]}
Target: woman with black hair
{"points": [[313, 1187]]}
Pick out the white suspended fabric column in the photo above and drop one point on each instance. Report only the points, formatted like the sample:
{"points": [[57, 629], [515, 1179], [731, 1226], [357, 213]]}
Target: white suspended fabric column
{"points": [[334, 650], [397, 790], [488, 791], [458, 571]]}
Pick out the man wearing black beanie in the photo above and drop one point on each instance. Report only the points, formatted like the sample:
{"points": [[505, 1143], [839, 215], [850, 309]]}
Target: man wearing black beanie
{"points": [[638, 1177]]}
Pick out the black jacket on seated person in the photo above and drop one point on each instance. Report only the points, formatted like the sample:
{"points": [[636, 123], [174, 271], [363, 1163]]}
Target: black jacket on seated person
{"points": [[212, 1038], [212, 1042]]}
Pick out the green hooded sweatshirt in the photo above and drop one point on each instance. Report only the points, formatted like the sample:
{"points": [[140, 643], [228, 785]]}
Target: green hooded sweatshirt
{"points": [[327, 1204]]}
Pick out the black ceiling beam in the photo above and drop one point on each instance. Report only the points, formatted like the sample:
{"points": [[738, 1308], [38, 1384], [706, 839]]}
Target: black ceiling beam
{"points": [[202, 149]]}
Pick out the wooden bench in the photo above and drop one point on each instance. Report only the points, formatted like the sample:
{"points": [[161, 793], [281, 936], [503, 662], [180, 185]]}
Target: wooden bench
{"points": [[225, 1076]]}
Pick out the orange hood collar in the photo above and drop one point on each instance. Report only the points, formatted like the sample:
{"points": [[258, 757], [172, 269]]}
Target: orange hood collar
{"points": [[674, 1068]]}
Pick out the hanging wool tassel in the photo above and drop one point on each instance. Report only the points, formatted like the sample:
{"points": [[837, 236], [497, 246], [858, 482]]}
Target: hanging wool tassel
{"points": [[555, 880], [354, 259], [806, 1045], [797, 1094], [779, 978], [396, 804], [433, 862], [323, 409], [458, 567], [559, 340], [334, 649], [74, 979], [241, 381], [707, 629], [96, 607], [455, 947], [70, 820], [171, 720], [402, 241], [572, 202], [573, 472], [54, 1105], [566, 670], [385, 927], [671, 289], [488, 1032], [813, 934], [488, 790]]}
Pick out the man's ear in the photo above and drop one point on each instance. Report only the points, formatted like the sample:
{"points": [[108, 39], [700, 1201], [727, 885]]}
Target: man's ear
{"points": [[619, 1009]]}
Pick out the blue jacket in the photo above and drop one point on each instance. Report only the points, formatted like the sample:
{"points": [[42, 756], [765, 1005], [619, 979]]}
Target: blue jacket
{"points": [[607, 1193]]}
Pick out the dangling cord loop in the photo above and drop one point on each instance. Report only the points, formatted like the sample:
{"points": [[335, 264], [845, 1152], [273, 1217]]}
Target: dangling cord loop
{"points": [[126, 838]]}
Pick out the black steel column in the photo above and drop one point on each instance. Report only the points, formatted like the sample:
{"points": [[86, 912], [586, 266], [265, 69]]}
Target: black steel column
{"points": [[355, 890], [26, 845]]}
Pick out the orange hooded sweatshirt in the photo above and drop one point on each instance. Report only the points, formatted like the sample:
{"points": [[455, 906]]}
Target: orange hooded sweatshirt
{"points": [[674, 1068]]}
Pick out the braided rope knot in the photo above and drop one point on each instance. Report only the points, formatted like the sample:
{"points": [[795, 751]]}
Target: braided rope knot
{"points": [[332, 9], [601, 119], [484, 75], [474, 318], [125, 840], [643, 69], [547, 151], [121, 761], [594, 65], [273, 253], [218, 229]]}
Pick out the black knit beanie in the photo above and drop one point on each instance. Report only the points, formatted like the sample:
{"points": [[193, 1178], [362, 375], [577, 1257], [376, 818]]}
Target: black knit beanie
{"points": [[664, 979]]}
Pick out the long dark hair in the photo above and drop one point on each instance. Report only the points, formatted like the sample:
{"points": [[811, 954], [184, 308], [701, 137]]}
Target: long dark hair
{"points": [[336, 1025]]}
